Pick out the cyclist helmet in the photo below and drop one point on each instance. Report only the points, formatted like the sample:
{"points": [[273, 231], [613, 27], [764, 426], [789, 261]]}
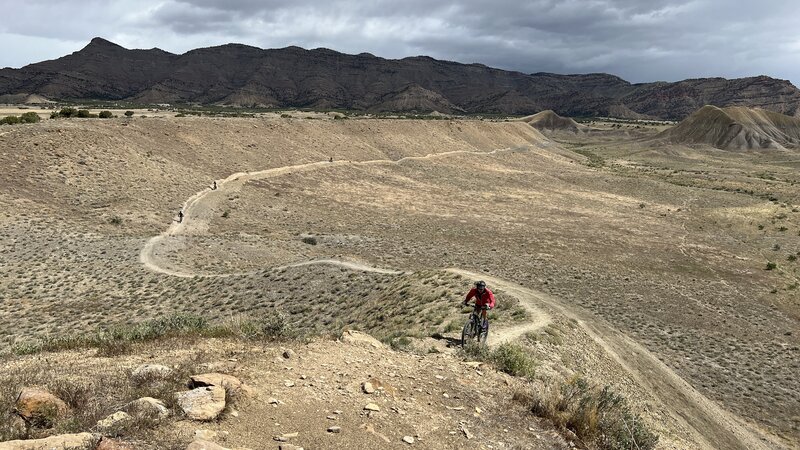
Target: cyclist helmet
{"points": [[480, 284]]}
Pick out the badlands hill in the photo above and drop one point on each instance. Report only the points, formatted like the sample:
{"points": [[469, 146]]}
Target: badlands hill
{"points": [[240, 75], [736, 128], [550, 121]]}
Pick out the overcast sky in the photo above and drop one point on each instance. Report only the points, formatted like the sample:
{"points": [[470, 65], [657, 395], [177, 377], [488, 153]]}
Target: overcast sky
{"points": [[639, 40]]}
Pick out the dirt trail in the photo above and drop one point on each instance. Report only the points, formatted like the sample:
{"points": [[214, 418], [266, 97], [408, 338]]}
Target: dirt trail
{"points": [[712, 427], [710, 424], [196, 209]]}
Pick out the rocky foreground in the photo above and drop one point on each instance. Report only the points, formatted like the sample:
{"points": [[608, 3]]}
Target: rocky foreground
{"points": [[349, 393]]}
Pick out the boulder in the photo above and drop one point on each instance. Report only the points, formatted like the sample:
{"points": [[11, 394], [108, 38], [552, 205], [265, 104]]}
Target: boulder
{"points": [[360, 339], [80, 441], [151, 372], [148, 407], [228, 382], [203, 403], [39, 407], [113, 421]]}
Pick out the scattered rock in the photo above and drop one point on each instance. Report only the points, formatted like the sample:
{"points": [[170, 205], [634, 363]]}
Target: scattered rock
{"points": [[203, 403], [372, 407], [39, 407], [288, 383], [80, 441], [289, 353], [205, 435], [408, 439], [466, 432], [334, 429], [360, 339], [285, 446], [113, 421], [367, 387], [285, 437]]}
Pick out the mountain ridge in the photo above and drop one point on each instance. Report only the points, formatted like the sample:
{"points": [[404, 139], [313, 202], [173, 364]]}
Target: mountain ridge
{"points": [[243, 75]]}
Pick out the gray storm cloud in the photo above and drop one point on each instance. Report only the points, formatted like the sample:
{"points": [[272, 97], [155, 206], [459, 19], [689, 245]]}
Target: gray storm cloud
{"points": [[639, 40]]}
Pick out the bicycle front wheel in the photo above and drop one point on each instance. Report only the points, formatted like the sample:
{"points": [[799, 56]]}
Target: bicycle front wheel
{"points": [[483, 334], [467, 333]]}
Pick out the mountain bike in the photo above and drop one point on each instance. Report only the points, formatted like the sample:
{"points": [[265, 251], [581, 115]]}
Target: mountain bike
{"points": [[475, 328]]}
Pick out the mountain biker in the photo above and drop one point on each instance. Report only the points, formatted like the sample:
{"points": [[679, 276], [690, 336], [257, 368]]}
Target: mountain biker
{"points": [[484, 299]]}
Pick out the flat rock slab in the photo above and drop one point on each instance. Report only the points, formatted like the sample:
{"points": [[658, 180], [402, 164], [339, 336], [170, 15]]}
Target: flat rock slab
{"points": [[202, 444], [203, 403], [228, 382], [113, 444], [80, 441]]}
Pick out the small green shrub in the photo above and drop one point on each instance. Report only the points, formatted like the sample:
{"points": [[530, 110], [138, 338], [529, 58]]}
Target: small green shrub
{"points": [[514, 360], [29, 117], [509, 358], [68, 112], [310, 240], [9, 120], [599, 416], [129, 113], [791, 258], [105, 115], [771, 266]]}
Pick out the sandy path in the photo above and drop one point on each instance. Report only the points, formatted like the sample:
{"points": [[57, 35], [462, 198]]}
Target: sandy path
{"points": [[711, 426]]}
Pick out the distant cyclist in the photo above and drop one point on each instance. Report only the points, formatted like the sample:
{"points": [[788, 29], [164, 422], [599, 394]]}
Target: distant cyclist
{"points": [[484, 299]]}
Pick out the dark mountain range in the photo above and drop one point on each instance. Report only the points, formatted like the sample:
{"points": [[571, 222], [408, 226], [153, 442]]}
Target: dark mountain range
{"points": [[240, 75]]}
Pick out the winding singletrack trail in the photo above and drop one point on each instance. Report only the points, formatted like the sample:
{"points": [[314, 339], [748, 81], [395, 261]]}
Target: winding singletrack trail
{"points": [[711, 426]]}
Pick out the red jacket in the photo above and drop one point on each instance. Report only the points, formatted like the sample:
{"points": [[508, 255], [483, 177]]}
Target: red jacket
{"points": [[486, 299]]}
